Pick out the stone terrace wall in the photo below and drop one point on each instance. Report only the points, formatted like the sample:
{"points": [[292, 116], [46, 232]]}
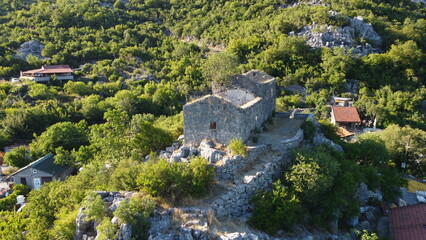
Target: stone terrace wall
{"points": [[236, 202]]}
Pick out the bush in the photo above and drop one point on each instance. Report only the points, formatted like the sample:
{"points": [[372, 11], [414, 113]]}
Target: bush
{"points": [[237, 147], [329, 130], [8, 202], [309, 130], [136, 213], [276, 209], [177, 180], [94, 206], [18, 157]]}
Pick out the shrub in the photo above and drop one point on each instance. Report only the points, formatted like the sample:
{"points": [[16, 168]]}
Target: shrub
{"points": [[94, 206], [329, 130], [276, 209], [136, 213], [8, 202], [178, 180], [308, 130], [18, 157], [237, 147]]}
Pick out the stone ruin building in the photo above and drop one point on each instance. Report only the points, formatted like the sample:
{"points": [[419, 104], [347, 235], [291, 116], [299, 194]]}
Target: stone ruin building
{"points": [[231, 112]]}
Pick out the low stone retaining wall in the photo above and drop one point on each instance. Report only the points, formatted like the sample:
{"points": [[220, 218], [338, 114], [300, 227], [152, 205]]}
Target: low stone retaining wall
{"points": [[236, 202]]}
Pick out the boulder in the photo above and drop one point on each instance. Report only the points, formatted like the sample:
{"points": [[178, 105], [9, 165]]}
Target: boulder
{"points": [[402, 203], [421, 199], [363, 194], [84, 228], [125, 232], [409, 197], [353, 221], [321, 139], [115, 203], [421, 193], [211, 155]]}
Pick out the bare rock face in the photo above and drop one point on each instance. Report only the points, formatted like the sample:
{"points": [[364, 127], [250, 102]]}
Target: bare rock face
{"points": [[363, 194], [85, 229], [351, 36], [32, 47]]}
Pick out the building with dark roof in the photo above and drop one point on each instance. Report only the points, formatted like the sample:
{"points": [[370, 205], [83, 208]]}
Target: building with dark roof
{"points": [[45, 73], [231, 111], [408, 223], [39, 172]]}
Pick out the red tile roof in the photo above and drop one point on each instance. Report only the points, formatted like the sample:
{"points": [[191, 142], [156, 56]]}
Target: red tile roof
{"points": [[346, 114], [52, 69], [408, 223]]}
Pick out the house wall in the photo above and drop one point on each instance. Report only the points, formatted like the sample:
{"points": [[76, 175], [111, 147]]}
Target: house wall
{"points": [[29, 175], [333, 120], [200, 114]]}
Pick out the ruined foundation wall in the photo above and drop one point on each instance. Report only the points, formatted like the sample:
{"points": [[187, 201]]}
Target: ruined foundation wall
{"points": [[236, 202]]}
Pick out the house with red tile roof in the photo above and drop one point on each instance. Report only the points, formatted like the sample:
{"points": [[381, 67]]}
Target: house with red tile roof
{"points": [[345, 117], [62, 73], [408, 223]]}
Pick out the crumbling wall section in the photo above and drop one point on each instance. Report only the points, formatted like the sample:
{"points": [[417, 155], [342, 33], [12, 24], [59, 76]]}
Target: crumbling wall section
{"points": [[236, 202]]}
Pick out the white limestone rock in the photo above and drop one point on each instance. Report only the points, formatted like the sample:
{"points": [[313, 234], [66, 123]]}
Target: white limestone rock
{"points": [[33, 47], [330, 36]]}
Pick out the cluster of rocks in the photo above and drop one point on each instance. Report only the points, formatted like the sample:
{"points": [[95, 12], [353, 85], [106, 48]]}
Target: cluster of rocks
{"points": [[371, 218], [310, 3], [410, 198], [200, 224], [86, 229], [33, 47], [178, 152], [347, 36]]}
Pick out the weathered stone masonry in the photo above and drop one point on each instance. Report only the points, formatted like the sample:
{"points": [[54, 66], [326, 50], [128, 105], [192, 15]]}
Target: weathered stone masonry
{"points": [[233, 112], [276, 157]]}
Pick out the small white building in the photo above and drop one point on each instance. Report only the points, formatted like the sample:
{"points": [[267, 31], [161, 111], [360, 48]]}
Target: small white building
{"points": [[41, 171]]}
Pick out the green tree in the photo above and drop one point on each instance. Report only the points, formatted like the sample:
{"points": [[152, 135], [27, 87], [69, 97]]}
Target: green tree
{"points": [[77, 88], [276, 209], [40, 91], [64, 134], [18, 157], [237, 147], [136, 212], [313, 173], [219, 67]]}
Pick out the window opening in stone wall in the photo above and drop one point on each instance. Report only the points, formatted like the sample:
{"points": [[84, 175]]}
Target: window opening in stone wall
{"points": [[212, 125]]}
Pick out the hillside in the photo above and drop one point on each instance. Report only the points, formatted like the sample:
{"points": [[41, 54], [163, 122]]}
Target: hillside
{"points": [[137, 62]]}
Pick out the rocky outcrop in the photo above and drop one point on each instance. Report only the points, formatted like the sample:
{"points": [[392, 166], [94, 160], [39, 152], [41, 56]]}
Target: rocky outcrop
{"points": [[351, 36], [86, 229], [363, 194], [32, 47]]}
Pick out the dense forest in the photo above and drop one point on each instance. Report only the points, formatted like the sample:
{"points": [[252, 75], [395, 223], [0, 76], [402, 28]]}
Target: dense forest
{"points": [[138, 61]]}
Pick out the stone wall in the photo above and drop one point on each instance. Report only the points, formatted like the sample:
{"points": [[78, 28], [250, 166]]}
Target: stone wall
{"points": [[236, 202], [215, 117]]}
